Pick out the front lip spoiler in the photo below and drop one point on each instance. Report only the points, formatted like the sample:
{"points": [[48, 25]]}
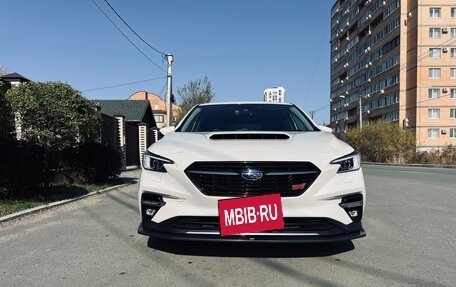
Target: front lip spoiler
{"points": [[250, 238]]}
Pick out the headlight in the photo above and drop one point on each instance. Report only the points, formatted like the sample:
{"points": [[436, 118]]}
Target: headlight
{"points": [[349, 162], [155, 162]]}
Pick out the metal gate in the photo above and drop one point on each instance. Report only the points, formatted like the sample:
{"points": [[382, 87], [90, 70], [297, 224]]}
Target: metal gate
{"points": [[132, 145]]}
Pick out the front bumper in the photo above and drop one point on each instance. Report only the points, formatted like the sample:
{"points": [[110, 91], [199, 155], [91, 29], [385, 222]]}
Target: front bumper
{"points": [[319, 231]]}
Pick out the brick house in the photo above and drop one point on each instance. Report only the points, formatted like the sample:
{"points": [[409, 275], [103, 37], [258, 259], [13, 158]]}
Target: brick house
{"points": [[158, 107]]}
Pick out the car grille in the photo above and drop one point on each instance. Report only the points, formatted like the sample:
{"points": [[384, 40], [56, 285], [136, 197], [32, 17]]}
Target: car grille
{"points": [[298, 225], [224, 178]]}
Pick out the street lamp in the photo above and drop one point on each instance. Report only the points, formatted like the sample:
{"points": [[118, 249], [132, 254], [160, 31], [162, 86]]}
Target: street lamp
{"points": [[361, 106], [360, 112]]}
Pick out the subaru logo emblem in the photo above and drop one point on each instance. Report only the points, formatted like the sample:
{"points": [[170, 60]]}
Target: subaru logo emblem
{"points": [[251, 174]]}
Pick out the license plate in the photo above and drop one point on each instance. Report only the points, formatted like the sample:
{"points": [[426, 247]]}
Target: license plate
{"points": [[250, 214]]}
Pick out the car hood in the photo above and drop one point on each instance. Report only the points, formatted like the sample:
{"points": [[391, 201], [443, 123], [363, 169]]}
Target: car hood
{"points": [[316, 146]]}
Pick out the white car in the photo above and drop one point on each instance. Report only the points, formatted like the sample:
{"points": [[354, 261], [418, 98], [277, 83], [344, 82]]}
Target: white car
{"points": [[222, 151]]}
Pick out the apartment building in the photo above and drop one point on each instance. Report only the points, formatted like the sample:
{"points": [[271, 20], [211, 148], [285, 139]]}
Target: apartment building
{"points": [[275, 94], [395, 60]]}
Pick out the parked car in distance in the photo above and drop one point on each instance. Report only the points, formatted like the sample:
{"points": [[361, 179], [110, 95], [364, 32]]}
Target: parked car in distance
{"points": [[222, 151]]}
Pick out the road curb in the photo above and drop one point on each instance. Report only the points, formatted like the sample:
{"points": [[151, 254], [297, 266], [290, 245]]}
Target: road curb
{"points": [[410, 165], [57, 203]]}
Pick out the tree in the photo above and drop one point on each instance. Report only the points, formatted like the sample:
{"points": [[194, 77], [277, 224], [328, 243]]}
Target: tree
{"points": [[3, 70], [196, 92], [53, 114]]}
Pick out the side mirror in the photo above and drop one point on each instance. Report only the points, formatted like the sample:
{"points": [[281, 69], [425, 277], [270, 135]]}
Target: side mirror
{"points": [[325, 129], [166, 130]]}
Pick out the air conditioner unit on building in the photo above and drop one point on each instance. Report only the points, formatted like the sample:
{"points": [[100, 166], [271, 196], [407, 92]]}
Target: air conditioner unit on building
{"points": [[444, 30], [445, 50], [445, 90]]}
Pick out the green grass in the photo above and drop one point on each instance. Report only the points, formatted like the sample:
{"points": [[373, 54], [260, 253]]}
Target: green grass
{"points": [[55, 193], [11, 206]]}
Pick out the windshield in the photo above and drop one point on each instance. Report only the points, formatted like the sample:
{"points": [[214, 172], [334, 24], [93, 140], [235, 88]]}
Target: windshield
{"points": [[246, 117]]}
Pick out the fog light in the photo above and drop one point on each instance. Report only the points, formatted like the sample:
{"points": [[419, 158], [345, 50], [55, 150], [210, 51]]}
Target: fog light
{"points": [[353, 205], [353, 213], [150, 212], [150, 204]]}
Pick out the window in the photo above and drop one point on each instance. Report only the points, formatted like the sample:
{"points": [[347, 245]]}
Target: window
{"points": [[453, 32], [434, 32], [453, 52], [453, 93], [453, 12], [453, 133], [453, 113], [434, 73], [453, 73], [433, 93], [433, 133], [434, 113], [434, 12], [159, 118], [253, 117], [434, 53]]}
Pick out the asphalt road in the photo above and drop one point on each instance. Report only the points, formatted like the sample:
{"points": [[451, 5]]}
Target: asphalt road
{"points": [[410, 223]]}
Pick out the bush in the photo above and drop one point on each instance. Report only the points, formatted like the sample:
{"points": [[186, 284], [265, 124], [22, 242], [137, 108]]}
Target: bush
{"points": [[91, 163], [26, 169], [383, 142], [445, 156], [22, 169], [388, 143], [448, 154], [53, 114]]}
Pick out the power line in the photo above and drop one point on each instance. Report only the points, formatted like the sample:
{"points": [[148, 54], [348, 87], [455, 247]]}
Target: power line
{"points": [[419, 58], [134, 32], [137, 48], [426, 54], [422, 56], [313, 112], [423, 101], [124, 84], [163, 90], [404, 66], [322, 108], [316, 63]]}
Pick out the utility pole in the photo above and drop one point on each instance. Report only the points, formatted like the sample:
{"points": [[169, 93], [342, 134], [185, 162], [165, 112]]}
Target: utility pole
{"points": [[169, 110], [360, 113], [312, 114]]}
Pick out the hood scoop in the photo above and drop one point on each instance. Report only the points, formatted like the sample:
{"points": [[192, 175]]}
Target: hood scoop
{"points": [[250, 136]]}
